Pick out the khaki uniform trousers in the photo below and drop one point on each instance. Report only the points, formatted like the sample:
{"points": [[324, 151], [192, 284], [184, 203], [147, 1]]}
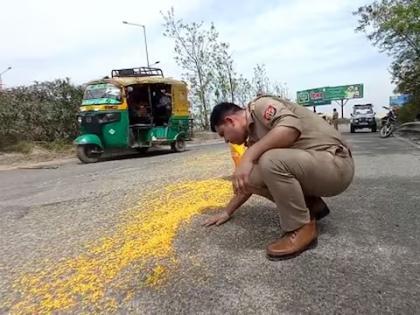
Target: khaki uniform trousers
{"points": [[294, 178]]}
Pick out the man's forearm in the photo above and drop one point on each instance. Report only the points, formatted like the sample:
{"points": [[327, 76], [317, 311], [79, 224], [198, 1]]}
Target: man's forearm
{"points": [[279, 137], [236, 201]]}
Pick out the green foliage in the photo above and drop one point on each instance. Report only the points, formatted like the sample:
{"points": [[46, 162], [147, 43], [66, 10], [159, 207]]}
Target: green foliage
{"points": [[394, 27], [195, 51], [44, 111], [408, 112], [209, 68], [260, 81], [224, 82], [243, 91]]}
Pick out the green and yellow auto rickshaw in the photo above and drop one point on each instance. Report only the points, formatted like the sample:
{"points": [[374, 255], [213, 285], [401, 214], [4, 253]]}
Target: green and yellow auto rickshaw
{"points": [[134, 109]]}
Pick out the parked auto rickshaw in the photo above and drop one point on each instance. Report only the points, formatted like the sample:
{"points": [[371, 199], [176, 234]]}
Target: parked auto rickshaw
{"points": [[134, 109]]}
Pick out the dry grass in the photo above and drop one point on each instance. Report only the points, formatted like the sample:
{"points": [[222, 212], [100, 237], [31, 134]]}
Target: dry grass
{"points": [[24, 147]]}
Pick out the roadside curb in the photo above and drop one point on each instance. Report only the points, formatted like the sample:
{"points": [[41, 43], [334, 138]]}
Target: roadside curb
{"points": [[52, 164], [205, 142], [55, 163], [417, 146]]}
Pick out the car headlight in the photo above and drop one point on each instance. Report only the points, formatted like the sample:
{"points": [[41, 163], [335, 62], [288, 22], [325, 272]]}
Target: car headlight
{"points": [[79, 119], [356, 120]]}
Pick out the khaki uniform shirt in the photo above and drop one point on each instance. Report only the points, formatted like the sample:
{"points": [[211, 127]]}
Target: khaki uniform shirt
{"points": [[267, 113]]}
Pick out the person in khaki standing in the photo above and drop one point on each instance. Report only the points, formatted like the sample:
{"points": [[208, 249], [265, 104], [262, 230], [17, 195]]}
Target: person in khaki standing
{"points": [[293, 158], [335, 119]]}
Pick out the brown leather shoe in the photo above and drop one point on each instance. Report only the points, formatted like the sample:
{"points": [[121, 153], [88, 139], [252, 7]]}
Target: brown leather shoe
{"points": [[294, 243], [317, 208]]}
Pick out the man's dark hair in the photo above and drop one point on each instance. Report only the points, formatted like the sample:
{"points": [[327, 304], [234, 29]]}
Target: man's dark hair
{"points": [[220, 111]]}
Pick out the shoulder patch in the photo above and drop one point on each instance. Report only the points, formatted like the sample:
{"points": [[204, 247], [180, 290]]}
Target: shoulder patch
{"points": [[269, 112]]}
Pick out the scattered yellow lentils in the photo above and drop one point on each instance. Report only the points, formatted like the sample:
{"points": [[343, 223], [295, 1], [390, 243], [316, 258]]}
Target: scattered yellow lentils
{"points": [[144, 238]]}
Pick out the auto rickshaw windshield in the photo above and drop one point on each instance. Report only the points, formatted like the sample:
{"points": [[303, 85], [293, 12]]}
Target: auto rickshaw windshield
{"points": [[103, 93]]}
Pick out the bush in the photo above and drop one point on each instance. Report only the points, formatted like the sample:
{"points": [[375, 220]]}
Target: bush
{"points": [[44, 111], [408, 112]]}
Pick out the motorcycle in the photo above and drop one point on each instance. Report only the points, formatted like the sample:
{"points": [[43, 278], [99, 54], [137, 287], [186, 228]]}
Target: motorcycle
{"points": [[388, 123]]}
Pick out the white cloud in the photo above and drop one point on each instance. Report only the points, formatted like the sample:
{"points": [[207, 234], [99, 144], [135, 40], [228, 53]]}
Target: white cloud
{"points": [[310, 44], [45, 28], [306, 43]]}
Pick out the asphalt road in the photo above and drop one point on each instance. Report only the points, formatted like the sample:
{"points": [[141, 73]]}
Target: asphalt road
{"points": [[124, 236]]}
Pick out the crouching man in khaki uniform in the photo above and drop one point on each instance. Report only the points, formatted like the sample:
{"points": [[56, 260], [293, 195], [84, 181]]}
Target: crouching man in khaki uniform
{"points": [[294, 158]]}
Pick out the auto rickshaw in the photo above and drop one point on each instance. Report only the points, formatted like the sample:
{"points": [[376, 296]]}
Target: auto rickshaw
{"points": [[134, 109]]}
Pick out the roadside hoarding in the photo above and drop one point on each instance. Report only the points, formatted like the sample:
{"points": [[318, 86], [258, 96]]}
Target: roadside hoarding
{"points": [[399, 100], [324, 95]]}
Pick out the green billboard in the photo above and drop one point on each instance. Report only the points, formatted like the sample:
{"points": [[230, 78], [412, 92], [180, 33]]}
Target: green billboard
{"points": [[324, 95]]}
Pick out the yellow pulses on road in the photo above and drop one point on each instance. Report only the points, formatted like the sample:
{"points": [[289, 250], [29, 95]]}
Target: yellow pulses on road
{"points": [[144, 239]]}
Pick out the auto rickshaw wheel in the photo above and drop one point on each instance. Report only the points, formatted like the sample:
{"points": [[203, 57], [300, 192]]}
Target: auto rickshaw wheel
{"points": [[88, 153], [178, 145]]}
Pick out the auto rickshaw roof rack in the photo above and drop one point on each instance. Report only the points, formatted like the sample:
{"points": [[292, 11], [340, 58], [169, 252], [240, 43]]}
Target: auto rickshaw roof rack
{"points": [[137, 72]]}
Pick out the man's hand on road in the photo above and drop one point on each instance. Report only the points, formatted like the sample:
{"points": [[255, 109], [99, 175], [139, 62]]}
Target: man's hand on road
{"points": [[217, 219], [240, 179]]}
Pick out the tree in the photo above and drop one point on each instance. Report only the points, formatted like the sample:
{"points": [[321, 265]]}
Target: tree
{"points": [[195, 49], [394, 27], [224, 79], [280, 90], [243, 91], [260, 80]]}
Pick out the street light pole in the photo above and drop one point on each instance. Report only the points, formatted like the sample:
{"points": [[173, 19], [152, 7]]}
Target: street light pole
{"points": [[145, 39], [145, 45], [1, 73]]}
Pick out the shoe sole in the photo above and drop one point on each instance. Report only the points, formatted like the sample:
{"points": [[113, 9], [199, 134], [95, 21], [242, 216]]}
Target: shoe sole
{"points": [[312, 245], [322, 214]]}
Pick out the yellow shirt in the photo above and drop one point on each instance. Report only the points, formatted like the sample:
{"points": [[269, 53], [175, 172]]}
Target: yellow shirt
{"points": [[237, 150]]}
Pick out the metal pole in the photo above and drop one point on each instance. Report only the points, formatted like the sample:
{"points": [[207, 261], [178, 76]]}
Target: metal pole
{"points": [[342, 108], [1, 80], [145, 44], [145, 39]]}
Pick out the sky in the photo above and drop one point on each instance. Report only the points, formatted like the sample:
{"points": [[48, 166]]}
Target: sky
{"points": [[305, 44]]}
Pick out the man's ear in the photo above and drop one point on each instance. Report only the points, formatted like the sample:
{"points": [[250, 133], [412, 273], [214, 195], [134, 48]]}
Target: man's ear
{"points": [[228, 119]]}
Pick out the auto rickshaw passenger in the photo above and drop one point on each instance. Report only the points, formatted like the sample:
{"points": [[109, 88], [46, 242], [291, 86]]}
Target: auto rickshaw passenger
{"points": [[163, 107], [141, 114]]}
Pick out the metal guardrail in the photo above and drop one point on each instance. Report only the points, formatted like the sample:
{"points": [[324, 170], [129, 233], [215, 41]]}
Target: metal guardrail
{"points": [[410, 130], [413, 127]]}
